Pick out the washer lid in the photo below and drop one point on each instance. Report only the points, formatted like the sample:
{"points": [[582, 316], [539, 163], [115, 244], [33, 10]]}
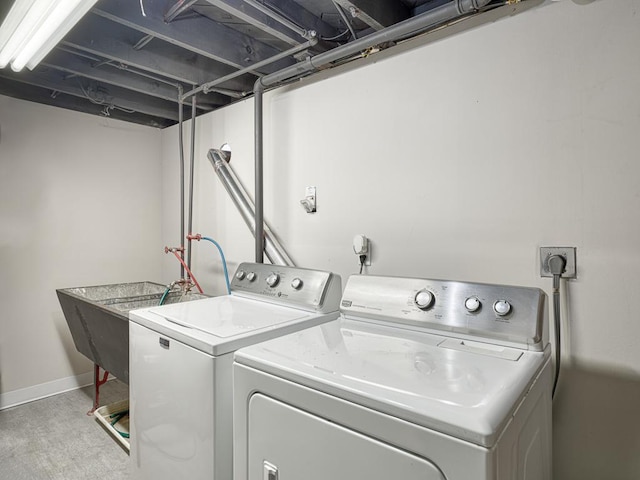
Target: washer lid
{"points": [[227, 316], [222, 324], [465, 389]]}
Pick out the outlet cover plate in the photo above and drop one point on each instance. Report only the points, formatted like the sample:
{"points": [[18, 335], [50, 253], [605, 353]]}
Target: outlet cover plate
{"points": [[569, 253], [367, 262]]}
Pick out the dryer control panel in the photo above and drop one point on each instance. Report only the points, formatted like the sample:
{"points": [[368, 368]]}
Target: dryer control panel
{"points": [[313, 290], [500, 314]]}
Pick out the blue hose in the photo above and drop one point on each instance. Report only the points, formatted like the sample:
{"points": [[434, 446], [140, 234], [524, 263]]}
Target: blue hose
{"points": [[224, 262], [164, 295]]}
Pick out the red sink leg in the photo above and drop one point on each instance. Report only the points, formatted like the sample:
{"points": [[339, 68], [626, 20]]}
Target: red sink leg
{"points": [[97, 383]]}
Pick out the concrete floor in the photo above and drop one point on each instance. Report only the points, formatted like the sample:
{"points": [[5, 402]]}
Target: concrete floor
{"points": [[53, 438]]}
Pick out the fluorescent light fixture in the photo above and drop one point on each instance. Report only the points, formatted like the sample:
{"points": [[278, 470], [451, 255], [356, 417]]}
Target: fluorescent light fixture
{"points": [[33, 27]]}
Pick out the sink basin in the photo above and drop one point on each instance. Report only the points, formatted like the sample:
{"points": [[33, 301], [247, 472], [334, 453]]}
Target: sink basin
{"points": [[98, 318]]}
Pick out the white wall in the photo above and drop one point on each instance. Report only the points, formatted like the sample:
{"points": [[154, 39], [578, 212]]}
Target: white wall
{"points": [[459, 158], [79, 205]]}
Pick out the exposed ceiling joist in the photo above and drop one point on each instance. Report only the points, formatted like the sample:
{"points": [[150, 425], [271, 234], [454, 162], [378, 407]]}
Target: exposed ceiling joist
{"points": [[109, 97], [45, 96], [101, 37], [245, 12], [121, 76], [177, 9], [302, 16], [378, 14], [134, 57], [199, 35]]}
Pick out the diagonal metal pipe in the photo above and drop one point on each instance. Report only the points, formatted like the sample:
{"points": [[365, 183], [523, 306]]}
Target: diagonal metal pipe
{"points": [[274, 250], [177, 9]]}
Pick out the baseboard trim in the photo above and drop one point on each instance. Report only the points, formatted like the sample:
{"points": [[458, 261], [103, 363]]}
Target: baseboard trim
{"points": [[43, 390]]}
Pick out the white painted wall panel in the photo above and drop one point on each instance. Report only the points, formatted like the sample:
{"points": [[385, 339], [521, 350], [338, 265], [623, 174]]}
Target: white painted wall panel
{"points": [[79, 205]]}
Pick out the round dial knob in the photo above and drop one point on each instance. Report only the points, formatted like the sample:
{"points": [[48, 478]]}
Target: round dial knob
{"points": [[472, 304], [296, 283], [240, 274], [424, 299], [502, 307], [251, 276], [273, 279]]}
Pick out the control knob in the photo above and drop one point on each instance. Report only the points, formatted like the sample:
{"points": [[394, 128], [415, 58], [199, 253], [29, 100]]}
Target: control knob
{"points": [[424, 299], [296, 283], [502, 307], [472, 304], [273, 279], [240, 274], [251, 276]]}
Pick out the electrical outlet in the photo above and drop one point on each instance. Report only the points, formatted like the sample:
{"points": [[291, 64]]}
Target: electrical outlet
{"points": [[569, 254], [362, 246]]}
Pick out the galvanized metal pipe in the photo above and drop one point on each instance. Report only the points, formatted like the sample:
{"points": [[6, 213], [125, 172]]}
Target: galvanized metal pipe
{"points": [[181, 146], [191, 170], [415, 25], [205, 87], [274, 251], [258, 92]]}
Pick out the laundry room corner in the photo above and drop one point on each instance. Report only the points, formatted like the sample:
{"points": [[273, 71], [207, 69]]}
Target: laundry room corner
{"points": [[80, 205]]}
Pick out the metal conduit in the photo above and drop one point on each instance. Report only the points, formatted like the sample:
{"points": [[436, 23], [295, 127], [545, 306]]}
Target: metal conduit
{"points": [[181, 146], [258, 175], [425, 21], [274, 250], [418, 24], [206, 87], [191, 169]]}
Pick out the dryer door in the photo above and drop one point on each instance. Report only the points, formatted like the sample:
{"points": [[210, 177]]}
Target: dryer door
{"points": [[286, 443]]}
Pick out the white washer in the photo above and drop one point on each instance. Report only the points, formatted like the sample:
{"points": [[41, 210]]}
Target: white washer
{"points": [[417, 379], [181, 358]]}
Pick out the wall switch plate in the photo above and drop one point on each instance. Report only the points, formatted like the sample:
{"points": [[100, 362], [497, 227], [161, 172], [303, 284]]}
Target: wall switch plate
{"points": [[569, 254]]}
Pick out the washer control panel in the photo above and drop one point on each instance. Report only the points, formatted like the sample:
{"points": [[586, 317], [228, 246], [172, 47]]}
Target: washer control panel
{"points": [[315, 290], [508, 315]]}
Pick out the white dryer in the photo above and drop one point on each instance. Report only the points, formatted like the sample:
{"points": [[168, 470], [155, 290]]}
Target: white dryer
{"points": [[181, 358], [417, 379]]}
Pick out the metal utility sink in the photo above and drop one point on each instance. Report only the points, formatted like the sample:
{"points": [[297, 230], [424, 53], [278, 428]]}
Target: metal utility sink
{"points": [[98, 318]]}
